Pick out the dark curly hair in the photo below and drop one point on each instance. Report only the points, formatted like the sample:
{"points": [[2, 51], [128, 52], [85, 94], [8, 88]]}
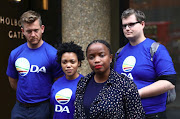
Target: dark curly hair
{"points": [[70, 47]]}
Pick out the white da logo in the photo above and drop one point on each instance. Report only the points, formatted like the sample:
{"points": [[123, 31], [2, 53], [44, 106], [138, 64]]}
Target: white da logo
{"points": [[63, 97], [129, 63], [23, 67]]}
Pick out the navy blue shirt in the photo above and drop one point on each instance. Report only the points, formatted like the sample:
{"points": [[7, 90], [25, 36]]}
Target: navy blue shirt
{"points": [[91, 93], [117, 99]]}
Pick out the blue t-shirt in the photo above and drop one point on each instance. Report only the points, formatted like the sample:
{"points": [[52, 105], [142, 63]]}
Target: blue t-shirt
{"points": [[63, 96], [135, 62], [35, 70]]}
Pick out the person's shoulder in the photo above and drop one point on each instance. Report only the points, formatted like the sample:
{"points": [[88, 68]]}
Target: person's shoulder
{"points": [[80, 75], [149, 42], [125, 46], [146, 44], [116, 76], [59, 80], [82, 83], [120, 78], [19, 48], [78, 78], [84, 79], [48, 46], [50, 50]]}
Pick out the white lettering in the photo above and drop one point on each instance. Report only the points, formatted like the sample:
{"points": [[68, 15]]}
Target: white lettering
{"points": [[59, 108], [9, 21], [10, 34], [14, 34], [12, 22], [2, 20], [42, 69], [35, 68], [124, 74], [66, 109], [19, 23], [129, 75]]}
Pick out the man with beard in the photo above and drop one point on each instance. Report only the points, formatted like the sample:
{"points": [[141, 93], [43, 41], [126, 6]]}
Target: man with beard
{"points": [[31, 70]]}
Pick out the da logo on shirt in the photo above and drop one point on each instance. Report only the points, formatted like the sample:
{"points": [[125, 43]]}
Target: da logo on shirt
{"points": [[129, 63], [63, 96], [22, 66]]}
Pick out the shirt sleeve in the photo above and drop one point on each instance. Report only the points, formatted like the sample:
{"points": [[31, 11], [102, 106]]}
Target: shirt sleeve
{"points": [[164, 66], [163, 62], [11, 69], [57, 69]]}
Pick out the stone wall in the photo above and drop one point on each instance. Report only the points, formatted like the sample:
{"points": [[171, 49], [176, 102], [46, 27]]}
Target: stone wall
{"points": [[84, 21]]}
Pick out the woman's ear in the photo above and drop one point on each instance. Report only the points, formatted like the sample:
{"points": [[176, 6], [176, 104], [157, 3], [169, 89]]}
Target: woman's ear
{"points": [[79, 64]]}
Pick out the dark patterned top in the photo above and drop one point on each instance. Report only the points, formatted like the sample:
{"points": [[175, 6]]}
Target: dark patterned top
{"points": [[118, 99]]}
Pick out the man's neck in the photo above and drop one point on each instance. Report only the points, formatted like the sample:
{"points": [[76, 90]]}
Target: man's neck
{"points": [[136, 41], [35, 46]]}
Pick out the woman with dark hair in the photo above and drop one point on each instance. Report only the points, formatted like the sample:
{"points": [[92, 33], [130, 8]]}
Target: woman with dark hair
{"points": [[104, 94], [69, 55]]}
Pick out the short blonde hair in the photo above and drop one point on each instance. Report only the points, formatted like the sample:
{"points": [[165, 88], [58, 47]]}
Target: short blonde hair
{"points": [[29, 17]]}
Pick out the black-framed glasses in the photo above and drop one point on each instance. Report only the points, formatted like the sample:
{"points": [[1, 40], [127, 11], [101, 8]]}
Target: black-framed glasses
{"points": [[130, 25]]}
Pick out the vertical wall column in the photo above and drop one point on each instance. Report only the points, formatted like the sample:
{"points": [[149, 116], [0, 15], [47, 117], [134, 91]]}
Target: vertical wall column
{"points": [[84, 21]]}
